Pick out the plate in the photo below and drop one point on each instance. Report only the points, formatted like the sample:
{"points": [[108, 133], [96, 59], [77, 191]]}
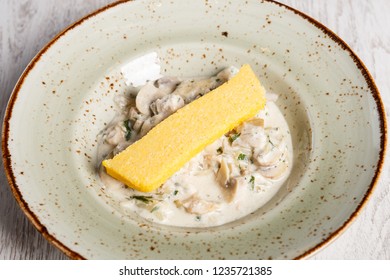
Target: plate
{"points": [[65, 97]]}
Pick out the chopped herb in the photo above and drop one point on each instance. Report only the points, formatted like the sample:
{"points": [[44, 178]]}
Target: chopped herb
{"points": [[234, 137], [127, 125], [197, 218], [143, 198], [241, 156], [219, 150], [252, 182], [218, 80], [175, 192], [155, 208]]}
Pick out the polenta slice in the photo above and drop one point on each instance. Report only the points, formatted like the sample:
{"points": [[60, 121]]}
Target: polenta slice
{"points": [[149, 162]]}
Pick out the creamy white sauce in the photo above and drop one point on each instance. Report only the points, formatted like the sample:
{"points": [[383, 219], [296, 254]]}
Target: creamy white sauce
{"points": [[229, 179]]}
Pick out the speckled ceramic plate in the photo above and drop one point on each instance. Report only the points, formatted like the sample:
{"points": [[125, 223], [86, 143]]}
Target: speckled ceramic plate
{"points": [[64, 99]]}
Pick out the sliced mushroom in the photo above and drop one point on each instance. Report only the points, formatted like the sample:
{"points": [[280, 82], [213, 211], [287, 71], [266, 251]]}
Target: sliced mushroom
{"points": [[227, 73], [188, 90], [251, 135], [134, 114], [195, 205], [230, 189], [136, 118], [228, 185], [271, 155], [274, 171], [191, 89], [256, 122], [115, 135], [138, 124], [167, 105], [167, 84], [147, 94], [223, 174], [151, 122]]}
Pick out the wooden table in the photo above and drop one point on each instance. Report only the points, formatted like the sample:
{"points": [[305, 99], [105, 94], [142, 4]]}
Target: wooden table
{"points": [[27, 25]]}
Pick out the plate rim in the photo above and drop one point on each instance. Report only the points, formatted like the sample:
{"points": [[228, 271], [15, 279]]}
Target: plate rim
{"points": [[373, 89]]}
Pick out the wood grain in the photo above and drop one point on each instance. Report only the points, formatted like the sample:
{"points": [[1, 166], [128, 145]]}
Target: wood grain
{"points": [[27, 25]]}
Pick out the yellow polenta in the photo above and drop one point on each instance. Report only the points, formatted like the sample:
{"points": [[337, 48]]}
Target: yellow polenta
{"points": [[149, 162]]}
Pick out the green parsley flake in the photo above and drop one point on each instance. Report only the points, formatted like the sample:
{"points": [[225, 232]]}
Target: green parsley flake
{"points": [[143, 198], [127, 125], [219, 150], [252, 182], [234, 137], [241, 156]]}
